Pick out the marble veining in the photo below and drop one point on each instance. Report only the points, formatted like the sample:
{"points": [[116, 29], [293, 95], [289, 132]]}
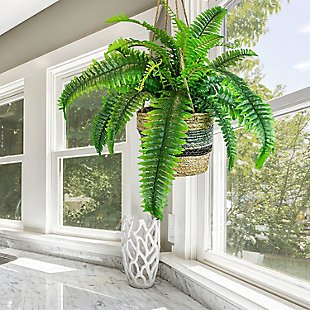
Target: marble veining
{"points": [[207, 298], [64, 252], [62, 284]]}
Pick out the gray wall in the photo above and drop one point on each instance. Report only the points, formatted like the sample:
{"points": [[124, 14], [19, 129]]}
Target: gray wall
{"points": [[62, 23]]}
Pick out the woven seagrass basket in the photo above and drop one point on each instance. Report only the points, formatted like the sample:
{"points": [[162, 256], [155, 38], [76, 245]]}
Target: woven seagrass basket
{"points": [[197, 150]]}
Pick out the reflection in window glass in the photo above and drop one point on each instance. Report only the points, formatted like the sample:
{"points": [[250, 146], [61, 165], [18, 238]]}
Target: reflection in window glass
{"points": [[268, 210], [79, 120], [92, 192], [279, 31], [10, 191], [11, 128]]}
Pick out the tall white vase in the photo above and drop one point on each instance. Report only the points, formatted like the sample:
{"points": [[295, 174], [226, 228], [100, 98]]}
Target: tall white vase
{"points": [[140, 250]]}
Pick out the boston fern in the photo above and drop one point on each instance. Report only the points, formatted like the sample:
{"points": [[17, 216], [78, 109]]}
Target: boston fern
{"points": [[177, 79]]}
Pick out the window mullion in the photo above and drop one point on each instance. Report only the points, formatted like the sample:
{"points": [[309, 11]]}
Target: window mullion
{"points": [[218, 194], [81, 208]]}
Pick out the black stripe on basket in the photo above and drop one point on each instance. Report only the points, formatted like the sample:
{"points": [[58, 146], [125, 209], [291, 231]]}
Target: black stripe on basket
{"points": [[197, 152]]}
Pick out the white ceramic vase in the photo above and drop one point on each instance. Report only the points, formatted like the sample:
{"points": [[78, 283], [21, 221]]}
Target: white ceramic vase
{"points": [[140, 250]]}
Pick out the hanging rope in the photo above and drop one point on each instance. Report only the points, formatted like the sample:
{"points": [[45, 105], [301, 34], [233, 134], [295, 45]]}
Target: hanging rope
{"points": [[176, 8], [156, 18], [166, 20], [181, 52], [167, 17], [184, 11]]}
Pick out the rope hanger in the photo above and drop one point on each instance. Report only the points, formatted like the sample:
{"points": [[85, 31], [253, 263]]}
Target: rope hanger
{"points": [[166, 18], [184, 11], [166, 13]]}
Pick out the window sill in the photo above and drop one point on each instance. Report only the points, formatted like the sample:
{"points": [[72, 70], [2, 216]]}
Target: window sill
{"points": [[107, 253], [215, 289], [11, 224], [276, 283], [209, 286]]}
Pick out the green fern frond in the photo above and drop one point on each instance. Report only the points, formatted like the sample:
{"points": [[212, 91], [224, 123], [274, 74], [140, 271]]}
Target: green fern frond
{"points": [[150, 68], [159, 34], [198, 48], [124, 106], [114, 72], [182, 34], [118, 18], [164, 137], [223, 119], [151, 46], [231, 58], [210, 86], [194, 73], [206, 87], [182, 30], [154, 85], [257, 117], [209, 21], [100, 121], [230, 99], [117, 45]]}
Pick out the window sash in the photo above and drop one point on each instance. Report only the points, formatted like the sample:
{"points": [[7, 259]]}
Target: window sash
{"points": [[279, 284], [7, 160], [59, 152], [205, 4], [12, 91], [75, 68], [57, 226], [301, 101], [9, 93], [212, 252], [11, 98], [212, 214]]}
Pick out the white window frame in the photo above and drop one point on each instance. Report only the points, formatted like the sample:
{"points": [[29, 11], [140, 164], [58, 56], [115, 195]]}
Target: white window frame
{"points": [[211, 249], [9, 93], [59, 76], [186, 222], [40, 99], [209, 214]]}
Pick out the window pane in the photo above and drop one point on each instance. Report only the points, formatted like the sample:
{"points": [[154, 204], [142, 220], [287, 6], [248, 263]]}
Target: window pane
{"points": [[92, 191], [79, 120], [279, 31], [11, 128], [10, 191], [268, 210]]}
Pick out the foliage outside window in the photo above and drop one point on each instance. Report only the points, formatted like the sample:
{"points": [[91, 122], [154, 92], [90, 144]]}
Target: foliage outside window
{"points": [[268, 211], [10, 191], [92, 192], [91, 185], [11, 143], [79, 120]]}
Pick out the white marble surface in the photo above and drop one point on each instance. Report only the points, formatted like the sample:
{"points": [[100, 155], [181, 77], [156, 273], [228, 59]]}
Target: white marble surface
{"points": [[206, 297], [62, 250], [39, 282]]}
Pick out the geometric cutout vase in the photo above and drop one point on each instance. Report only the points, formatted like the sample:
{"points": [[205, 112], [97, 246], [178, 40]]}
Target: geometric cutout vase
{"points": [[140, 251]]}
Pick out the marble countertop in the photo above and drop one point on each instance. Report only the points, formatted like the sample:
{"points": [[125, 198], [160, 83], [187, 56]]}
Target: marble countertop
{"points": [[39, 282]]}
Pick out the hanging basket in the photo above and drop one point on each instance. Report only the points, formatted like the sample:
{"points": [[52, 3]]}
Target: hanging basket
{"points": [[197, 150]]}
